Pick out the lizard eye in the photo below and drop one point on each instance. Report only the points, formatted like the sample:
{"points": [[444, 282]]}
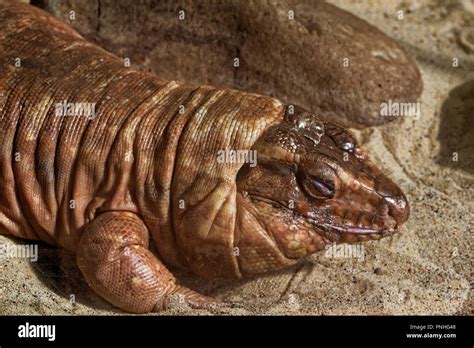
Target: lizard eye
{"points": [[317, 187]]}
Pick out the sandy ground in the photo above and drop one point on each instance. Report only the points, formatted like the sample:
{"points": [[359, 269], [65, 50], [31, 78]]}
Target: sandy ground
{"points": [[426, 269]]}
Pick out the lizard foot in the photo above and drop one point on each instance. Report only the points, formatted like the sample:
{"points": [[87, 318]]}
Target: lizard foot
{"points": [[114, 258]]}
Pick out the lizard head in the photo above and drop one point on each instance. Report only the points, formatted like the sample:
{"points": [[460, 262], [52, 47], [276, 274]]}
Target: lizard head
{"points": [[314, 185]]}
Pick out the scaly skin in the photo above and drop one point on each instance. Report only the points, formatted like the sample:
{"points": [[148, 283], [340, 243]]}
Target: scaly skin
{"points": [[146, 168]]}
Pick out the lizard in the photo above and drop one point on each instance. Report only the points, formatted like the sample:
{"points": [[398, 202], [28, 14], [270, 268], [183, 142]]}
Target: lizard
{"points": [[143, 170]]}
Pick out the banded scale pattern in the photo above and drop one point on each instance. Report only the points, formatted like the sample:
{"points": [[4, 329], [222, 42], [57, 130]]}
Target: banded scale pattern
{"points": [[147, 135]]}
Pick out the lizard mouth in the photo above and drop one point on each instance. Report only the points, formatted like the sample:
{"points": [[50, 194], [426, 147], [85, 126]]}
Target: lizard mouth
{"points": [[334, 233], [353, 229], [351, 234], [360, 230]]}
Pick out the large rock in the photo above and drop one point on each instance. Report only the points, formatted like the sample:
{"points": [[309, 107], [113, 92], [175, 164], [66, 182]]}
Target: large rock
{"points": [[324, 59]]}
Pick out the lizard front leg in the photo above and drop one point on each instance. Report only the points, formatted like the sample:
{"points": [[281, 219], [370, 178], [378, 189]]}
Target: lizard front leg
{"points": [[114, 258]]}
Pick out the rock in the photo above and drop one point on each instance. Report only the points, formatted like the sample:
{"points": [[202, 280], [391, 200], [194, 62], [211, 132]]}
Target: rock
{"points": [[308, 53]]}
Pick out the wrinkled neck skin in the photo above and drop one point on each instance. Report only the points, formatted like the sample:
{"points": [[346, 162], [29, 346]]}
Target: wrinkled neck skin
{"points": [[203, 206]]}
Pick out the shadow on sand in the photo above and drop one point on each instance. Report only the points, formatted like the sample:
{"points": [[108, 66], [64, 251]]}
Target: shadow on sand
{"points": [[57, 270], [456, 131]]}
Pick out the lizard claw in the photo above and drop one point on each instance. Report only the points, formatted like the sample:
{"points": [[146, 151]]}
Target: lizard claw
{"points": [[184, 297]]}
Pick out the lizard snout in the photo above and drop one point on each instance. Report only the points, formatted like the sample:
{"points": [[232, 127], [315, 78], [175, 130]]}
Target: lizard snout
{"points": [[394, 198], [398, 208]]}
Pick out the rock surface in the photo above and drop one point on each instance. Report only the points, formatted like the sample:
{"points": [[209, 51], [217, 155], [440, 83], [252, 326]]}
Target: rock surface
{"points": [[307, 53]]}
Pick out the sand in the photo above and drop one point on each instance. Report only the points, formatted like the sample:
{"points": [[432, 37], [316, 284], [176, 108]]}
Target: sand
{"points": [[425, 269]]}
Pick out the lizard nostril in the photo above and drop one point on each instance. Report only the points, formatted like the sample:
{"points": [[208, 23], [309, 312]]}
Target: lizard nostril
{"points": [[398, 208]]}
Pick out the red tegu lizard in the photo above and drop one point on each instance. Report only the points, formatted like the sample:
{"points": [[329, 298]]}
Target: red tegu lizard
{"points": [[145, 167]]}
